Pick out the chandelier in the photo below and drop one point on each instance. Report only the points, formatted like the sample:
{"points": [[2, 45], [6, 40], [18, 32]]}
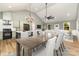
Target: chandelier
{"points": [[29, 18]]}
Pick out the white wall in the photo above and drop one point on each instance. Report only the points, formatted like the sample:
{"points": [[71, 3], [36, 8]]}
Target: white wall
{"points": [[7, 16], [78, 18], [20, 16], [72, 24]]}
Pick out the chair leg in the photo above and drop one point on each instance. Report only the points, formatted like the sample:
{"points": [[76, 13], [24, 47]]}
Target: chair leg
{"points": [[54, 53], [44, 44], [57, 52], [62, 48], [33, 50], [60, 51], [63, 45]]}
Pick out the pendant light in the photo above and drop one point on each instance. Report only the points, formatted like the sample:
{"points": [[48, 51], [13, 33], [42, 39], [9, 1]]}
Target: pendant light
{"points": [[29, 18]]}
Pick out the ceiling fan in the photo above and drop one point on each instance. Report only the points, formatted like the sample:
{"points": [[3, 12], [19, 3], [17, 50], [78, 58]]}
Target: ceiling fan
{"points": [[48, 17]]}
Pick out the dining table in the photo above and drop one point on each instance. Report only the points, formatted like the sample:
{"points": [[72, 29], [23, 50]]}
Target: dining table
{"points": [[29, 44]]}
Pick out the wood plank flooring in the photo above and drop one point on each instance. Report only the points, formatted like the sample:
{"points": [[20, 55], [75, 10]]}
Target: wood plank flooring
{"points": [[73, 48], [8, 47]]}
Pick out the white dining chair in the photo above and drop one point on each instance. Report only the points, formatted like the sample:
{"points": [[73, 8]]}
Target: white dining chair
{"points": [[75, 35], [62, 46], [48, 51], [57, 48]]}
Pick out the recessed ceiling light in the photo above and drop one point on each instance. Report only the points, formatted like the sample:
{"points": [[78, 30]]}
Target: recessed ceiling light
{"points": [[9, 6]]}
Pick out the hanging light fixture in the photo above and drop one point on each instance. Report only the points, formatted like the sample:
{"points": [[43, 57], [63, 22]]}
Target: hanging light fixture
{"points": [[46, 14], [48, 17], [29, 18]]}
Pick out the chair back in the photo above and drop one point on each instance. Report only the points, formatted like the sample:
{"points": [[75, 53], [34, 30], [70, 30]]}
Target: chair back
{"points": [[24, 34], [58, 41]]}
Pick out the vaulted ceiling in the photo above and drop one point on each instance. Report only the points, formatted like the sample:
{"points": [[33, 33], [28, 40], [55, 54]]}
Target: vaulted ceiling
{"points": [[35, 7], [61, 11]]}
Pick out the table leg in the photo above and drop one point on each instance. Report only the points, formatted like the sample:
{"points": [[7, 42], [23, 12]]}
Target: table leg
{"points": [[27, 52], [17, 49]]}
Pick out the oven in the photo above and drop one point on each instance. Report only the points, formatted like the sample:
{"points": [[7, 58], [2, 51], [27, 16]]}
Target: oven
{"points": [[7, 34]]}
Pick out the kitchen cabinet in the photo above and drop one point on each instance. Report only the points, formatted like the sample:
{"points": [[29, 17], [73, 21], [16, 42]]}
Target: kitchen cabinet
{"points": [[7, 16]]}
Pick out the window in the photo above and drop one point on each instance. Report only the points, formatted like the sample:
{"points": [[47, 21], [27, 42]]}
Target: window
{"points": [[66, 25], [49, 27], [38, 26]]}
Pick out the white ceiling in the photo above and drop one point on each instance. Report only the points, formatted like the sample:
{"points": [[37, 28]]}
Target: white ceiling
{"points": [[61, 12], [35, 7]]}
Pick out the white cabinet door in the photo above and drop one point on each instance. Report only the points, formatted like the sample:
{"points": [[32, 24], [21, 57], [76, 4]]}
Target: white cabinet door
{"points": [[7, 16]]}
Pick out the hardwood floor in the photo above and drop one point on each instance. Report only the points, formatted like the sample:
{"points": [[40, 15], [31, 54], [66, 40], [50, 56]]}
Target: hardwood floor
{"points": [[73, 48], [8, 47]]}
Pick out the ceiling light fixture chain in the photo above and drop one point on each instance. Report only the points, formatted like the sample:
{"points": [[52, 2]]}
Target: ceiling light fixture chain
{"points": [[46, 11]]}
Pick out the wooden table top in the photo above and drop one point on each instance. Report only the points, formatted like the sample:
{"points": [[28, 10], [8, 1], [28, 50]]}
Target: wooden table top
{"points": [[31, 42]]}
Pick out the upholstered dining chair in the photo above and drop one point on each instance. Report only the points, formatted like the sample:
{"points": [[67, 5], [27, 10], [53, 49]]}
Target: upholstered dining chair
{"points": [[75, 35], [62, 46], [58, 42], [48, 51]]}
